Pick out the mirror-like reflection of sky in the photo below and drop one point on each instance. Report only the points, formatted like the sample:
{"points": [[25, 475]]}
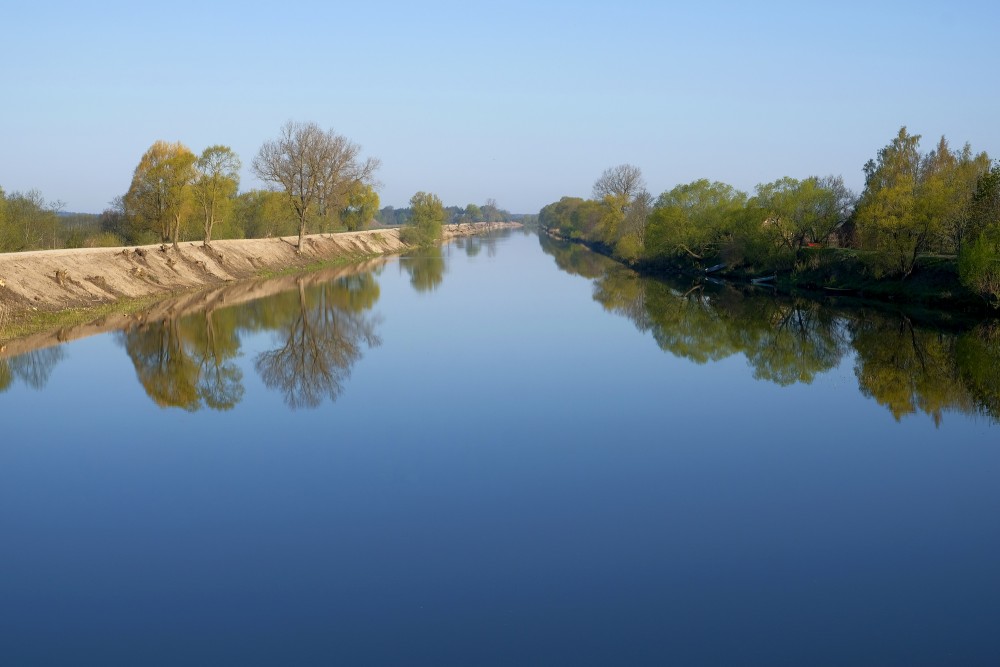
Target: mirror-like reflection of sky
{"points": [[509, 474]]}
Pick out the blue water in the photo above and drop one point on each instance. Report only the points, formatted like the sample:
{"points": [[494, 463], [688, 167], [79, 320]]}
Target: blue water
{"points": [[508, 474]]}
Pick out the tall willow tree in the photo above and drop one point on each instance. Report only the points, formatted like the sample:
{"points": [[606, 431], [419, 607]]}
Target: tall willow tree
{"points": [[315, 169], [159, 197]]}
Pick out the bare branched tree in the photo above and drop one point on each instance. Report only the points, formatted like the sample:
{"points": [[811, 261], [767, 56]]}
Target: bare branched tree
{"points": [[316, 169], [624, 181]]}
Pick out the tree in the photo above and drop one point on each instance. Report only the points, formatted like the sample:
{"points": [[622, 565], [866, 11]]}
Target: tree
{"points": [[692, 220], [315, 169], [490, 212], [426, 220], [360, 207], [159, 197], [262, 214], [216, 184], [473, 213], [621, 191], [797, 213], [622, 182], [27, 222], [885, 216], [3, 218]]}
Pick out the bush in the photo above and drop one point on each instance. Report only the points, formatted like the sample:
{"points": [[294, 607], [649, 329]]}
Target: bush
{"points": [[979, 269]]}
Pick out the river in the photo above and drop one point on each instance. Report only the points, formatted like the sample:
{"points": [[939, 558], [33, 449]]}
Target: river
{"points": [[507, 451]]}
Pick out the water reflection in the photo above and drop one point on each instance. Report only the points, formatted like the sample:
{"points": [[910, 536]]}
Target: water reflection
{"points": [[425, 267], [32, 368], [188, 360], [321, 330], [906, 366]]}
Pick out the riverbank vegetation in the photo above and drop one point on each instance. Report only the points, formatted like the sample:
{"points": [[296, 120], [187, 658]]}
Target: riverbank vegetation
{"points": [[926, 227], [319, 183]]}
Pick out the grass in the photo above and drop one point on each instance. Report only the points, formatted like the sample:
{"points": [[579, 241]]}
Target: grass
{"points": [[26, 323]]}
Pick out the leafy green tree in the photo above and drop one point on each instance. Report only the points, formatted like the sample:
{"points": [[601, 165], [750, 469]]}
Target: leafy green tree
{"points": [[28, 222], [473, 214], [693, 220], [3, 219], [979, 266], [426, 221], [159, 198], [315, 169], [262, 214], [798, 213], [886, 217], [916, 203], [360, 207], [960, 193], [216, 183]]}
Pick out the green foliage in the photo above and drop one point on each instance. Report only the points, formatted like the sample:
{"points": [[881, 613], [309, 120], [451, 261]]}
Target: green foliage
{"points": [[160, 198], [916, 203], [262, 214], [693, 221], [426, 220], [360, 207], [215, 186], [27, 222], [103, 240], [979, 268]]}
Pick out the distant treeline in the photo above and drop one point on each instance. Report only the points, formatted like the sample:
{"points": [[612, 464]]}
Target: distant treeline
{"points": [[319, 183], [29, 222], [943, 202]]}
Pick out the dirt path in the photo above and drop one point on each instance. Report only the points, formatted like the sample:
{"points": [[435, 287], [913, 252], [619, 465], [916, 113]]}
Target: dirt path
{"points": [[57, 280]]}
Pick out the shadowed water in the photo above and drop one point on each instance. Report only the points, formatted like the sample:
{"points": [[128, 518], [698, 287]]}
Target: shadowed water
{"points": [[508, 451]]}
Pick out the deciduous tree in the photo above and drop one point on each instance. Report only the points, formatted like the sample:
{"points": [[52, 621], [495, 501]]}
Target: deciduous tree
{"points": [[360, 207], [216, 184], [426, 220], [315, 169], [159, 197]]}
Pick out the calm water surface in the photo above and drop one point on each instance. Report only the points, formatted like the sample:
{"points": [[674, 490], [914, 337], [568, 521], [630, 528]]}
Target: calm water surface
{"points": [[511, 452]]}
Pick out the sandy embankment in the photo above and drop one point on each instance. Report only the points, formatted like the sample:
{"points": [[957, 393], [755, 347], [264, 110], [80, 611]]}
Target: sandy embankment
{"points": [[56, 280]]}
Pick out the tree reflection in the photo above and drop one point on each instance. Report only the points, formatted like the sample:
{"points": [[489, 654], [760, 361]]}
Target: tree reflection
{"points": [[907, 367], [188, 361], [792, 341], [426, 269], [323, 329], [32, 368]]}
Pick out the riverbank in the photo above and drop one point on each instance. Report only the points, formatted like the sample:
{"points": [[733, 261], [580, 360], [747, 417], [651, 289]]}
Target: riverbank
{"points": [[37, 288], [833, 273]]}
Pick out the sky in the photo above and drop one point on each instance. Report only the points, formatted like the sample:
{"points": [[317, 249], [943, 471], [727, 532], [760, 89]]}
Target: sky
{"points": [[521, 102]]}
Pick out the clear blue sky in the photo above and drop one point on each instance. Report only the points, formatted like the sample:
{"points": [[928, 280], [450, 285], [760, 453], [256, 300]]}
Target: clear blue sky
{"points": [[523, 102]]}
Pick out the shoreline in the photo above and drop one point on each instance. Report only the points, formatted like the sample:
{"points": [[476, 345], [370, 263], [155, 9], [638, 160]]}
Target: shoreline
{"points": [[39, 287], [929, 288]]}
